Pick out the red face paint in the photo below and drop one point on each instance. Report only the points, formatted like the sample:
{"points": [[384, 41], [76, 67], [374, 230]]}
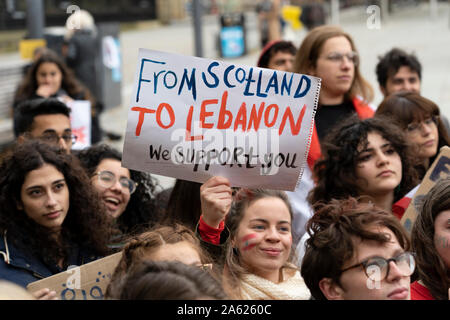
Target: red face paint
{"points": [[249, 241]]}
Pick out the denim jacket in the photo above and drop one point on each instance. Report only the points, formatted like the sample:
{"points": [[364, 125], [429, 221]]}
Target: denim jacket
{"points": [[22, 267]]}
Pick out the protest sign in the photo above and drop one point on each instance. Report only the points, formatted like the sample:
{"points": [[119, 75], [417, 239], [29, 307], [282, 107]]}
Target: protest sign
{"points": [[80, 121], [86, 282], [193, 118], [438, 170]]}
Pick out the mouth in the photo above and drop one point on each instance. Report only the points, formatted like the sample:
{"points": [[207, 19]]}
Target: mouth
{"points": [[53, 215], [273, 252], [429, 143], [386, 173], [345, 78], [112, 203], [399, 294]]}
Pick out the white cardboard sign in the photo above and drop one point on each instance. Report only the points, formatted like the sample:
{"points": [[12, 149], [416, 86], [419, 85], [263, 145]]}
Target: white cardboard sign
{"points": [[80, 121], [193, 118]]}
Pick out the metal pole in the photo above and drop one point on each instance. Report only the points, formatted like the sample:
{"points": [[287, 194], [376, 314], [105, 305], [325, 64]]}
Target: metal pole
{"points": [[384, 10], [197, 19], [433, 9], [334, 11], [35, 19]]}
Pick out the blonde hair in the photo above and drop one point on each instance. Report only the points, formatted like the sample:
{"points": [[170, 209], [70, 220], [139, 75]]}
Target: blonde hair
{"points": [[309, 52], [79, 20]]}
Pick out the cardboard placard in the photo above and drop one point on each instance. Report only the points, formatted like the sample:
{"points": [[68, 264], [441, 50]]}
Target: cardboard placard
{"points": [[438, 170], [193, 118], [86, 282]]}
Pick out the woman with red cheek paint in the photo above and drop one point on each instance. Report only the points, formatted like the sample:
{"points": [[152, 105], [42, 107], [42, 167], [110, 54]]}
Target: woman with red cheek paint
{"points": [[257, 253]]}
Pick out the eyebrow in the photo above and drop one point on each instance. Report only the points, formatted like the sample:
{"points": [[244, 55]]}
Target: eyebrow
{"points": [[39, 186], [397, 252], [386, 145], [265, 221]]}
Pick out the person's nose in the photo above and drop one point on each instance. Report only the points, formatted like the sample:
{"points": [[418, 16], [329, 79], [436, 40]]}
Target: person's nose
{"points": [[51, 200], [425, 129], [346, 63], [382, 159], [63, 144], [117, 187], [394, 272], [272, 234]]}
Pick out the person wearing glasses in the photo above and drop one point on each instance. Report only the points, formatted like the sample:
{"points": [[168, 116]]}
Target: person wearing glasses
{"points": [[50, 217], [420, 119], [45, 119], [356, 251], [329, 53], [49, 77], [128, 195], [430, 238]]}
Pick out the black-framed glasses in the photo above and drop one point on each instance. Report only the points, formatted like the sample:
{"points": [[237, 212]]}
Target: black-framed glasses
{"points": [[339, 57], [377, 268], [415, 127], [107, 179], [52, 137]]}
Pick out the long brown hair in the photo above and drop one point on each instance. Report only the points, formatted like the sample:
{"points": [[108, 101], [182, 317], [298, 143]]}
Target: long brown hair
{"points": [[234, 270], [431, 268], [332, 230], [309, 52], [69, 83], [406, 107]]}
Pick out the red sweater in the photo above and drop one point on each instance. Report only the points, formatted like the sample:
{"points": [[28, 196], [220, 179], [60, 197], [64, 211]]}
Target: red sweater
{"points": [[419, 292]]}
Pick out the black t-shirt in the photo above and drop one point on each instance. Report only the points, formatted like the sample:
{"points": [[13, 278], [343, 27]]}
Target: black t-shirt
{"points": [[327, 116]]}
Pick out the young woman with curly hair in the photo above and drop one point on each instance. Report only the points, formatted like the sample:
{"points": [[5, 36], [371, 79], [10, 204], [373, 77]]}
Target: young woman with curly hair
{"points": [[364, 158], [50, 77], [128, 195], [430, 239], [329, 53], [50, 216]]}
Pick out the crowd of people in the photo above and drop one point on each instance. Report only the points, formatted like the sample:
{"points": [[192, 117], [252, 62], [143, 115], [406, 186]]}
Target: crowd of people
{"points": [[338, 236]]}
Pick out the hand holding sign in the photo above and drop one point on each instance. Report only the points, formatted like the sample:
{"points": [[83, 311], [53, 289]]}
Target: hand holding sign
{"points": [[216, 198], [45, 294]]}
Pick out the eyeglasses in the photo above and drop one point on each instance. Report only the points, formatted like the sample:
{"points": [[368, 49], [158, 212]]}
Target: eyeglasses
{"points": [[337, 57], [51, 137], [377, 268], [416, 127], [107, 179], [206, 266]]}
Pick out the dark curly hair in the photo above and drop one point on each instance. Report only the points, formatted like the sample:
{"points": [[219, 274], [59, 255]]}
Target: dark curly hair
{"points": [[141, 211], [335, 172], [331, 231], [430, 265], [86, 224]]}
